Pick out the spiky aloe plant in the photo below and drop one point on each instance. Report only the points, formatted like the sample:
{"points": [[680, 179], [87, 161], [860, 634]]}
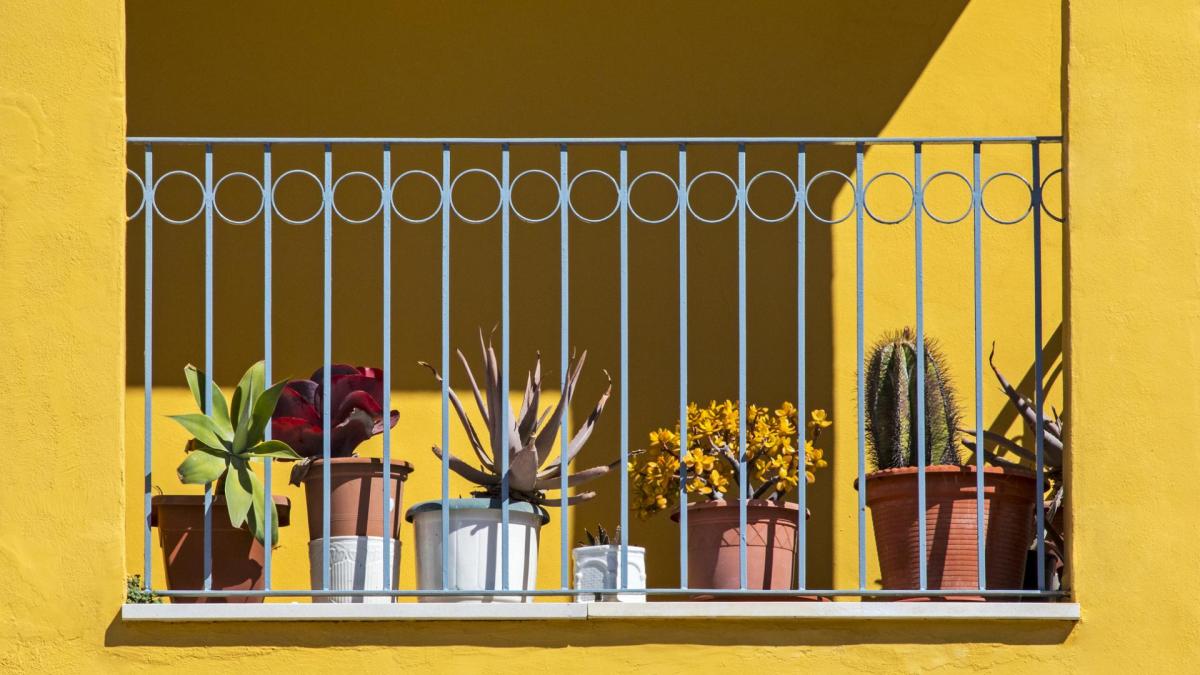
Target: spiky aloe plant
{"points": [[530, 437], [891, 404], [601, 537]]}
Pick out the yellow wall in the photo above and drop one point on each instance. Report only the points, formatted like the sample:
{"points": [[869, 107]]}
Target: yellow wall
{"points": [[1130, 279]]}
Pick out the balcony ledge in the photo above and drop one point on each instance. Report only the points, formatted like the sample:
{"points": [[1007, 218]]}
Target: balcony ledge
{"points": [[779, 611]]}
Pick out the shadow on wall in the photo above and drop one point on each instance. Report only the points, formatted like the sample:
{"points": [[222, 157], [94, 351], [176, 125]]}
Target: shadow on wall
{"points": [[532, 69]]}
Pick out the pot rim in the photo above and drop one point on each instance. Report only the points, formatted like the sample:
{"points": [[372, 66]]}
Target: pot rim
{"points": [[887, 474], [283, 505], [404, 467], [607, 546], [720, 503], [476, 503]]}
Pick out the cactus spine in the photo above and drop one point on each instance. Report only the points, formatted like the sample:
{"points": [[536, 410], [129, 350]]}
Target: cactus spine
{"points": [[891, 404]]}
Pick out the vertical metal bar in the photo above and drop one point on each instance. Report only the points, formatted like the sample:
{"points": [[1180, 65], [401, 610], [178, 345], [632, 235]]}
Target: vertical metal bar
{"points": [[623, 201], [564, 286], [918, 235], [504, 361], [742, 411], [208, 346], [446, 366], [1039, 393], [977, 210], [327, 359], [801, 367], [147, 359], [858, 366], [386, 207], [683, 366], [268, 463]]}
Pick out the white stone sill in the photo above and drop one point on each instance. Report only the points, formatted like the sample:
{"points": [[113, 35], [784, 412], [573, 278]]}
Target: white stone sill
{"points": [[941, 611]]}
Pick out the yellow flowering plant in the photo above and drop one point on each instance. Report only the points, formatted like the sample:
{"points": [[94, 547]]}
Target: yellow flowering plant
{"points": [[711, 463]]}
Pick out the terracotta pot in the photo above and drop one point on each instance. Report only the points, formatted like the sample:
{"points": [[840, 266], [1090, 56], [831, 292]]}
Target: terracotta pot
{"points": [[237, 559], [713, 545], [356, 495], [950, 526]]}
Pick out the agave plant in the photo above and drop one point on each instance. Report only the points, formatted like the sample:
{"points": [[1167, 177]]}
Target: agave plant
{"points": [[529, 437], [355, 411], [601, 537], [891, 404], [227, 438]]}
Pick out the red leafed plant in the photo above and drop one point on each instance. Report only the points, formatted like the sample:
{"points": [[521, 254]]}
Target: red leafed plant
{"points": [[356, 413]]}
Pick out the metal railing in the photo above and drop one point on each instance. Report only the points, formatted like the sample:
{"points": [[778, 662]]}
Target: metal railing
{"points": [[564, 177]]}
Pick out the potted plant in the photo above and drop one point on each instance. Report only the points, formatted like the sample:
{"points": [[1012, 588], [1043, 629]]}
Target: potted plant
{"points": [[356, 527], [598, 567], [1053, 455], [950, 488], [224, 443], [475, 524], [711, 467]]}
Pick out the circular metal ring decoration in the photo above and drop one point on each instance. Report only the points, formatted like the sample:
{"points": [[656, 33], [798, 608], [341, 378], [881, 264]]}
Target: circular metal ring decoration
{"points": [[1042, 190], [512, 202], [499, 201], [437, 185], [142, 202], [790, 182], [808, 191], [732, 209], [275, 187], [571, 191], [911, 202], [333, 197], [640, 216], [925, 204], [983, 198], [199, 184], [217, 203]]}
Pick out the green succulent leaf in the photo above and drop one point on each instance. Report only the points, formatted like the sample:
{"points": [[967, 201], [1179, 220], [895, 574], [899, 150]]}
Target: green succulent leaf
{"points": [[264, 407], [276, 449], [239, 494], [255, 518], [196, 380], [201, 466], [204, 429], [249, 389]]}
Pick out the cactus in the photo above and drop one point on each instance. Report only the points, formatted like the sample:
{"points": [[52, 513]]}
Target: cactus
{"points": [[891, 404]]}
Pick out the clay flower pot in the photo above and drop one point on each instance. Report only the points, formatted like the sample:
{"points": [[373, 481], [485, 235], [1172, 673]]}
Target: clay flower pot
{"points": [[950, 527], [356, 527], [713, 545], [237, 558]]}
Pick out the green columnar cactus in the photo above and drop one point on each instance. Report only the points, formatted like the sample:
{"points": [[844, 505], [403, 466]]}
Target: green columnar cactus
{"points": [[891, 404]]}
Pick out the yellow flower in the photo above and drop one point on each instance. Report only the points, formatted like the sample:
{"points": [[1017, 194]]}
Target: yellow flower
{"points": [[820, 419]]}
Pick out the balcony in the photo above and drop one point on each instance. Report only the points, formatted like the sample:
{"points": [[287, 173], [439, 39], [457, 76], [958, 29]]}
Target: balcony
{"points": [[692, 270]]}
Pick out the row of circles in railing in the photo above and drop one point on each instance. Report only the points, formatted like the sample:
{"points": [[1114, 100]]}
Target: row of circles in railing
{"points": [[387, 196]]}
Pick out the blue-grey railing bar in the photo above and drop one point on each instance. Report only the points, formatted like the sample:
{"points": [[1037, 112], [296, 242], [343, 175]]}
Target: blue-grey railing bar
{"points": [[977, 217], [683, 365], [209, 201], [564, 322], [446, 368], [801, 369], [505, 442], [147, 360], [581, 140], [858, 366], [387, 368], [558, 592], [918, 209], [268, 464], [623, 205], [327, 373], [743, 483], [860, 184], [1035, 198]]}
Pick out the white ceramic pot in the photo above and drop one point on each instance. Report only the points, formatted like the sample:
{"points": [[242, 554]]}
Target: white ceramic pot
{"points": [[355, 564], [475, 548], [599, 567]]}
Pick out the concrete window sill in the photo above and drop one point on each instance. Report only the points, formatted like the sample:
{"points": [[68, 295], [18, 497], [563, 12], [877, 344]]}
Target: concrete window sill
{"points": [[778, 611]]}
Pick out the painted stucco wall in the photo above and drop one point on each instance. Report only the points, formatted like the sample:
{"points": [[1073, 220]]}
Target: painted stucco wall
{"points": [[1131, 284]]}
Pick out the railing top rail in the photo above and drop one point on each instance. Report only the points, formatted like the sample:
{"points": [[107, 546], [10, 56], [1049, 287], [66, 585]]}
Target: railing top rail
{"points": [[583, 140]]}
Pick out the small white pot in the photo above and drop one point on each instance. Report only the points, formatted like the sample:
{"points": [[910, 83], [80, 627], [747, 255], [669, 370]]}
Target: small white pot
{"points": [[475, 548], [599, 567], [355, 564]]}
